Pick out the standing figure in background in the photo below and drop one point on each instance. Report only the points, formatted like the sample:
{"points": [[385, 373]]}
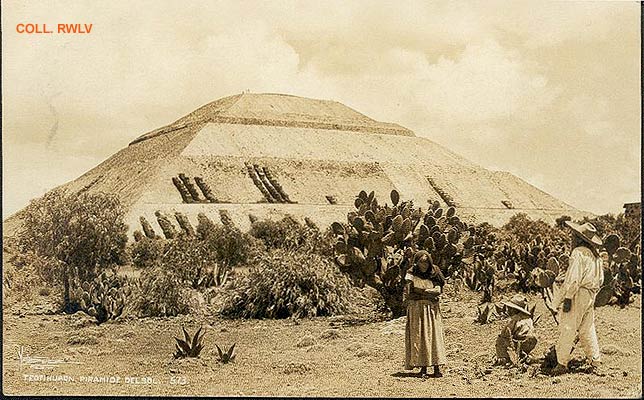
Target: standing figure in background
{"points": [[582, 281], [424, 340]]}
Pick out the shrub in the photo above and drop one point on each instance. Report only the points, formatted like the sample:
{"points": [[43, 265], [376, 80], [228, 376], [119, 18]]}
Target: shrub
{"points": [[37, 269], [83, 233], [188, 260], [208, 258], [523, 229], [290, 234], [200, 260], [146, 252], [290, 284], [283, 234], [161, 294], [19, 283], [224, 244]]}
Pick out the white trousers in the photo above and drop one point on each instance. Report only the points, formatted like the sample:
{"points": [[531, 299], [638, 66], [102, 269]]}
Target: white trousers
{"points": [[580, 318]]}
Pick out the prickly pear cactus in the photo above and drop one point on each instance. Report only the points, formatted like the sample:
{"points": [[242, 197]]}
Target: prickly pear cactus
{"points": [[104, 298], [376, 245]]}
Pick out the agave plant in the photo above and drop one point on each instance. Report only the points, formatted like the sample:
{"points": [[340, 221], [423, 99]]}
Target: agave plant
{"points": [[227, 356], [191, 346], [484, 315]]}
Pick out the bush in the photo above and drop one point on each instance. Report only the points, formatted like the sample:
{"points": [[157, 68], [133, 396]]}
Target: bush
{"points": [[20, 283], [146, 253], [283, 234], [38, 269], [161, 294], [200, 260], [224, 244], [83, 234], [290, 234], [523, 229], [187, 259], [290, 284], [208, 258]]}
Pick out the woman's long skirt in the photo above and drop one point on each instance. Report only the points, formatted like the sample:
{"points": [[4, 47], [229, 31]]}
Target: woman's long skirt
{"points": [[424, 342]]}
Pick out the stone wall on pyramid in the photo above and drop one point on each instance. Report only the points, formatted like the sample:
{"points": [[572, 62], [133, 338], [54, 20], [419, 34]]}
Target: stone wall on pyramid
{"points": [[270, 155]]}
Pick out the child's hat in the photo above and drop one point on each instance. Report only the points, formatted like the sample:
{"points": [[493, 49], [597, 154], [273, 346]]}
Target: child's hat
{"points": [[518, 302]]}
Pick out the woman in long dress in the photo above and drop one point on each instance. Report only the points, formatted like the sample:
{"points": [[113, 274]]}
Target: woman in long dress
{"points": [[424, 341]]}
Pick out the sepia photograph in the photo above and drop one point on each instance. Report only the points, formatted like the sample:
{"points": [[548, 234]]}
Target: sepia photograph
{"points": [[322, 199]]}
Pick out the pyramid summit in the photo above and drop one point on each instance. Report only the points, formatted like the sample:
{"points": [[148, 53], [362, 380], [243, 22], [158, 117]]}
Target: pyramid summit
{"points": [[269, 109], [272, 154]]}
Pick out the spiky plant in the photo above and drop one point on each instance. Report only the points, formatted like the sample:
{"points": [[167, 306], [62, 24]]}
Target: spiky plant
{"points": [[105, 298], [191, 346], [227, 356], [533, 315], [484, 315]]}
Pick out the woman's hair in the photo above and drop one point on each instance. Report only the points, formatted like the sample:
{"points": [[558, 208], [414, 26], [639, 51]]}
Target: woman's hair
{"points": [[578, 241], [433, 273]]}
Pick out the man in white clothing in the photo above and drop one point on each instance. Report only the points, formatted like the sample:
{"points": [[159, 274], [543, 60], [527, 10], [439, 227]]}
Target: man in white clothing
{"points": [[582, 281]]}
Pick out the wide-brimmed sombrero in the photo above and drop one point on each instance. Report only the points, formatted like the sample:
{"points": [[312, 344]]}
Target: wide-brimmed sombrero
{"points": [[586, 231], [518, 302]]}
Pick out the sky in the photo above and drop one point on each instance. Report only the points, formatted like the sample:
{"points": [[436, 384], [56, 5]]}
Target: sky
{"points": [[549, 91]]}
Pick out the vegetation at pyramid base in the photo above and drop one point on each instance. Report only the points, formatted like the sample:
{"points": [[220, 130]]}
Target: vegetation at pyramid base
{"points": [[284, 284], [290, 234], [78, 235], [377, 244], [72, 243]]}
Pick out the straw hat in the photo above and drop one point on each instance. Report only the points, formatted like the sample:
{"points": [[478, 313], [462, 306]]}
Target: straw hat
{"points": [[518, 302], [587, 232]]}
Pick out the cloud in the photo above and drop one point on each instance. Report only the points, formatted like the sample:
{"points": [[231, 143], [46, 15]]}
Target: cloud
{"points": [[487, 82], [534, 90]]}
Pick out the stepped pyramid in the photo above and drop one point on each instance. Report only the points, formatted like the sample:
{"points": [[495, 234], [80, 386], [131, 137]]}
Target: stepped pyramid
{"points": [[274, 154]]}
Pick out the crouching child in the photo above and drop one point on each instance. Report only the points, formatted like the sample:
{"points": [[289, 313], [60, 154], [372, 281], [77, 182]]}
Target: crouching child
{"points": [[518, 333]]}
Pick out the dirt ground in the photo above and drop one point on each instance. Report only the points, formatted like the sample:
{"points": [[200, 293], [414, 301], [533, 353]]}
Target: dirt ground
{"points": [[319, 357]]}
